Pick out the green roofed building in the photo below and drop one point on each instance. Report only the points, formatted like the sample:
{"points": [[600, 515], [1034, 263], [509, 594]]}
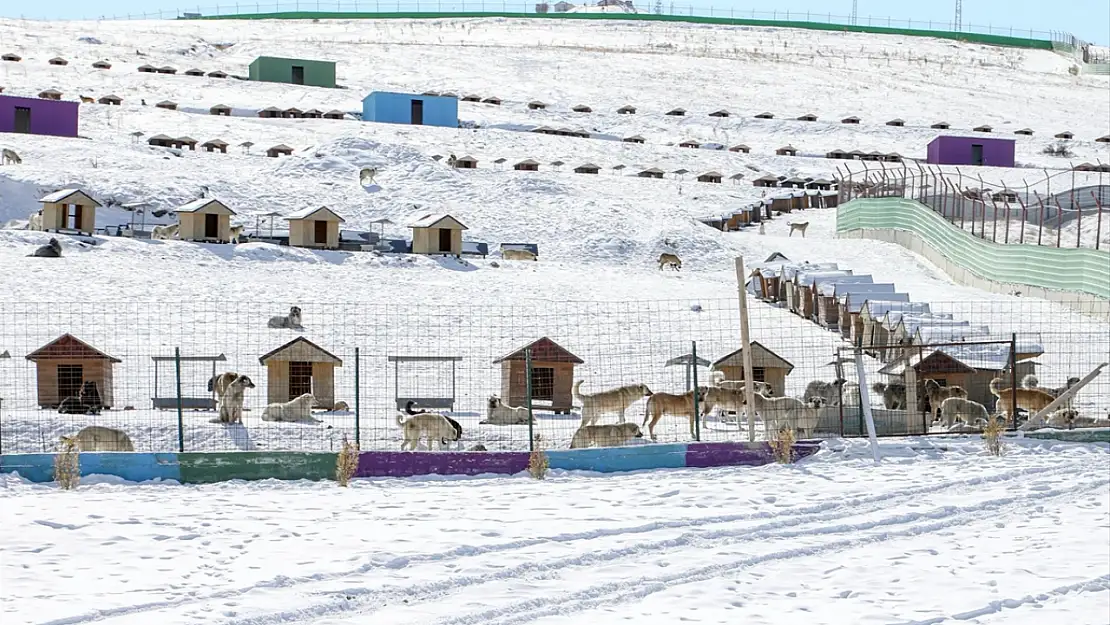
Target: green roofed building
{"points": [[293, 71]]}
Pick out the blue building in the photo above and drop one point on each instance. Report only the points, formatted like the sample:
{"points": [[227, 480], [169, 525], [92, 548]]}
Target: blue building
{"points": [[410, 108]]}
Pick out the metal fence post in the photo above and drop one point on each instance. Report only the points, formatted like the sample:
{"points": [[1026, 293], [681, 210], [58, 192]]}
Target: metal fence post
{"points": [[358, 431], [697, 416], [1013, 379], [180, 413], [528, 397]]}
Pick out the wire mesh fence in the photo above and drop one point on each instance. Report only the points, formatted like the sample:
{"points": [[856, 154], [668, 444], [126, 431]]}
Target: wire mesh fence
{"points": [[146, 369], [1066, 209]]}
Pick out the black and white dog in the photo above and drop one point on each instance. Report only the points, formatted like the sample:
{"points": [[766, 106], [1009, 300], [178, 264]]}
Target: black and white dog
{"points": [[292, 320], [53, 249], [88, 401], [411, 410]]}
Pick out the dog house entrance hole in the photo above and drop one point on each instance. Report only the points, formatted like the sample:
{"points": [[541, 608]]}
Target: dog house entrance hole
{"points": [[70, 378], [444, 240], [543, 383], [426, 380], [300, 379], [211, 226], [192, 377]]}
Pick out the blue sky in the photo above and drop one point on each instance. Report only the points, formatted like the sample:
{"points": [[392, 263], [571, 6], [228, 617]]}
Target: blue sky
{"points": [[1087, 19]]}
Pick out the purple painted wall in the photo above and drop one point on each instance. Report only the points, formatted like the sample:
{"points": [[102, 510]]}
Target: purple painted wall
{"points": [[740, 454], [409, 463], [48, 117], [947, 150]]}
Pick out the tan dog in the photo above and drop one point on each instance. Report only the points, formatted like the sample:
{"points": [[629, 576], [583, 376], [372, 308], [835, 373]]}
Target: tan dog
{"points": [[616, 400], [661, 404], [98, 438], [937, 394], [1030, 400], [800, 227], [781, 413], [340, 406], [669, 260], [292, 411], [970, 412], [86, 99], [727, 399], [517, 255], [231, 393], [430, 426], [498, 413], [611, 435]]}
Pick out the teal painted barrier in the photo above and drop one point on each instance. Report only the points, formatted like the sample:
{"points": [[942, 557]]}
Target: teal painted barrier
{"points": [[613, 459], [1085, 435], [133, 467], [994, 40], [205, 468], [1078, 270]]}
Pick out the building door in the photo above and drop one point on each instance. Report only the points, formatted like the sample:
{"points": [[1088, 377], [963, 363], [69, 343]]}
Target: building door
{"points": [[320, 229], [73, 216], [444, 240], [22, 119], [300, 379], [70, 379], [211, 226], [416, 117], [543, 383], [976, 154], [298, 75]]}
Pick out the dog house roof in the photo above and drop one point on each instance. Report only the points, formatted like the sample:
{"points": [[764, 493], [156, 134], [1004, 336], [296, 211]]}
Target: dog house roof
{"points": [[761, 357], [68, 347], [321, 213], [69, 194], [199, 205], [300, 349], [543, 350]]}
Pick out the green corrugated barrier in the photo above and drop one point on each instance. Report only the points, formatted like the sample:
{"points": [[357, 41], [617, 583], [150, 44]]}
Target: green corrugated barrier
{"points": [[994, 40], [1080, 270]]}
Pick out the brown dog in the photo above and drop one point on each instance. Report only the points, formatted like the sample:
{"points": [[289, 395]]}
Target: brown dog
{"points": [[660, 404], [1030, 400]]}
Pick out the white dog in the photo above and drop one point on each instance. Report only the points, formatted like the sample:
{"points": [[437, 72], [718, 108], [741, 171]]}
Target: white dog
{"points": [[497, 413], [231, 393], [292, 411], [780, 413], [234, 234], [34, 222], [616, 400], [10, 157], [292, 320], [429, 426], [162, 233]]}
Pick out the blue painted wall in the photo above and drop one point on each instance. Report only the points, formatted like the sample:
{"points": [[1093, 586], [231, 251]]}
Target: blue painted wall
{"points": [[396, 108], [613, 459], [133, 467]]}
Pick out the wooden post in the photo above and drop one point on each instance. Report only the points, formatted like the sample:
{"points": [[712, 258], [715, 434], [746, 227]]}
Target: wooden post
{"points": [[911, 396], [528, 396], [745, 340]]}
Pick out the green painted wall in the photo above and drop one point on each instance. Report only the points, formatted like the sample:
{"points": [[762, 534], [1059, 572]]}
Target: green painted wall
{"points": [[1092, 435], [205, 468], [996, 40], [276, 69], [1080, 270]]}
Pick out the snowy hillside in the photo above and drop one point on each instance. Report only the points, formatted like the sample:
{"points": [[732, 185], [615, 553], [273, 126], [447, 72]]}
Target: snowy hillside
{"points": [[598, 235]]}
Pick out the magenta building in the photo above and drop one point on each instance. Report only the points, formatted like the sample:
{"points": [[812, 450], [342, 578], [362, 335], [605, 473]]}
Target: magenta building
{"points": [[981, 151], [37, 116]]}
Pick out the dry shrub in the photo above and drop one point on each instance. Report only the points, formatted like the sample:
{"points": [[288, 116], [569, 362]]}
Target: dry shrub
{"points": [[782, 446], [67, 464], [537, 461], [346, 463], [992, 436]]}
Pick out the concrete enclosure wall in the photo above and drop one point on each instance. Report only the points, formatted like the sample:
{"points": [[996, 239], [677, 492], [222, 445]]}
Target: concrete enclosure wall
{"points": [[396, 108], [276, 69], [204, 468], [1077, 277], [56, 118]]}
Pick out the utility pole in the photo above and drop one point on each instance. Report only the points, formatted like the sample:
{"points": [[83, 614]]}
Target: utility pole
{"points": [[958, 23], [658, 7], [855, 11]]}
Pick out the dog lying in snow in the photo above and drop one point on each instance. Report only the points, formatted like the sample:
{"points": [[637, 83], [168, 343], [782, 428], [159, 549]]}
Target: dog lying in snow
{"points": [[297, 410]]}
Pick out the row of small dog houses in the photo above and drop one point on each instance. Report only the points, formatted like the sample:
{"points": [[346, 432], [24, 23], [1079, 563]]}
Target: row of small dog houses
{"points": [[735, 219], [891, 328]]}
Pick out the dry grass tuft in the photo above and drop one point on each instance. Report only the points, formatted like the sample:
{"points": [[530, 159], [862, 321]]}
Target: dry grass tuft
{"points": [[347, 462], [67, 464], [992, 436], [782, 446], [537, 461]]}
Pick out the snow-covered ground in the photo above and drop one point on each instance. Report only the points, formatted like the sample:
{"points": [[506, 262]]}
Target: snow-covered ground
{"points": [[938, 533]]}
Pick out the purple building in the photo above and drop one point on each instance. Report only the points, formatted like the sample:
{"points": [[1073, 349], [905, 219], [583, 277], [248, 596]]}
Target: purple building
{"points": [[971, 151], [38, 117]]}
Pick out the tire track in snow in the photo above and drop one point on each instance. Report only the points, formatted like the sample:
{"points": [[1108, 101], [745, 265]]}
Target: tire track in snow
{"points": [[355, 599], [825, 511], [612, 593], [1097, 584]]}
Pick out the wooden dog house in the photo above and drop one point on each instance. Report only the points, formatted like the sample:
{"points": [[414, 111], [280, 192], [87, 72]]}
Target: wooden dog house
{"points": [[69, 209], [298, 367], [314, 227], [65, 364], [220, 109], [767, 366], [206, 219], [437, 234], [552, 375]]}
